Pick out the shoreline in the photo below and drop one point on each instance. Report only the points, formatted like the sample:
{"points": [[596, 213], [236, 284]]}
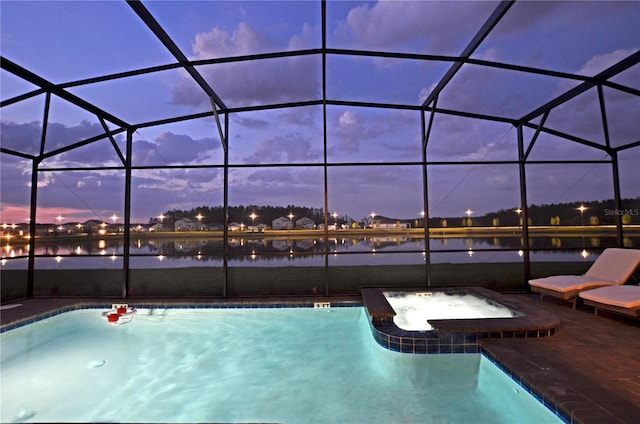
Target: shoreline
{"points": [[242, 281], [441, 232]]}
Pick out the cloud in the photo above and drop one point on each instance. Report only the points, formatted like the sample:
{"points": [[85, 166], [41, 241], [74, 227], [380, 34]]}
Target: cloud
{"points": [[258, 82], [168, 148], [220, 43], [424, 93], [350, 131], [368, 135], [277, 186], [304, 40], [581, 115], [251, 123], [599, 63], [158, 190], [26, 138], [456, 138], [60, 135], [419, 24], [392, 191], [286, 148], [13, 213], [15, 182], [525, 15], [23, 138], [96, 194], [304, 117]]}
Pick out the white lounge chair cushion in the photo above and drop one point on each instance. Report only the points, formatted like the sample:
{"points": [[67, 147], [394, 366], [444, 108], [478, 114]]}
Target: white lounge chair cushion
{"points": [[615, 264], [621, 296], [613, 267], [565, 283]]}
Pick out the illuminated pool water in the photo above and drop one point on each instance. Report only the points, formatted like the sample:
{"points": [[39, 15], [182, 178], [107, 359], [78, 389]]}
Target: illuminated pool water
{"points": [[294, 365]]}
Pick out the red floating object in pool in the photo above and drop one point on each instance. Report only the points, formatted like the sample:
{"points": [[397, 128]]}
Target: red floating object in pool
{"points": [[119, 314]]}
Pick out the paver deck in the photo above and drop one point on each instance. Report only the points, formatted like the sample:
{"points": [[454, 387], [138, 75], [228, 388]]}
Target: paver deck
{"points": [[590, 369]]}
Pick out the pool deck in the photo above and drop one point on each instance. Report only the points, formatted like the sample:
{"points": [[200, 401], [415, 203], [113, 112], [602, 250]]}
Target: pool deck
{"points": [[590, 369]]}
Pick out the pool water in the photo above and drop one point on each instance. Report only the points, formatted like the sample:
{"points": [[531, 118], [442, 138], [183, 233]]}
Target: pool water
{"points": [[293, 365], [413, 310]]}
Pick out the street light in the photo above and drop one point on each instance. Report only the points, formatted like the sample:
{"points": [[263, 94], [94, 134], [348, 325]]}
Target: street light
{"points": [[582, 208], [253, 217], [59, 218], [518, 211], [468, 212], [199, 217], [114, 219]]}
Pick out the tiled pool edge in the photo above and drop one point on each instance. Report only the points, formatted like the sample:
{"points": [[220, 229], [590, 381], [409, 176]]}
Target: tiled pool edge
{"points": [[465, 344], [549, 403], [455, 335], [389, 336], [465, 336], [74, 306]]}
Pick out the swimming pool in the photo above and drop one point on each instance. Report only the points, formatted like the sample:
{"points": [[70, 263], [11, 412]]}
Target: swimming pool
{"points": [[243, 365]]}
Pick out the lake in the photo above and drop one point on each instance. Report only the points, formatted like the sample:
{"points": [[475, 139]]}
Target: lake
{"points": [[180, 251]]}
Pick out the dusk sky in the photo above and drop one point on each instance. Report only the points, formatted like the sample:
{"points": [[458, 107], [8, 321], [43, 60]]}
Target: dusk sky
{"points": [[65, 42]]}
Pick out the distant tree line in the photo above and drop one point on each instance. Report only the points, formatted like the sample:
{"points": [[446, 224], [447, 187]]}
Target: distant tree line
{"points": [[594, 213]]}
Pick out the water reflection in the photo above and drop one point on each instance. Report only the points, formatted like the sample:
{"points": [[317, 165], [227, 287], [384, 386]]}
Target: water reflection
{"points": [[161, 252], [243, 246]]}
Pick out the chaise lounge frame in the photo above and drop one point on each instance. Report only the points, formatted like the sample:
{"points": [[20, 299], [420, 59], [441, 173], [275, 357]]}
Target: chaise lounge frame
{"points": [[613, 267], [606, 300]]}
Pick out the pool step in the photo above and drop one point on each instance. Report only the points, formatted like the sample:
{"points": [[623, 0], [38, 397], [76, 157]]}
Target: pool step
{"points": [[376, 304]]}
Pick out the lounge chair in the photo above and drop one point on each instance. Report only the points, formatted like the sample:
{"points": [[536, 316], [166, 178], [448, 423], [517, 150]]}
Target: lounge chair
{"points": [[623, 300], [613, 267]]}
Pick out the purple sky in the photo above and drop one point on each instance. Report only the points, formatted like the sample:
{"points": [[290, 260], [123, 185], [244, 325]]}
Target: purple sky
{"points": [[69, 41]]}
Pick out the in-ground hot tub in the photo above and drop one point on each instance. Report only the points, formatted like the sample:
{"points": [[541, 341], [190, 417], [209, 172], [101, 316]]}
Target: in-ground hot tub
{"points": [[415, 309], [446, 333]]}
